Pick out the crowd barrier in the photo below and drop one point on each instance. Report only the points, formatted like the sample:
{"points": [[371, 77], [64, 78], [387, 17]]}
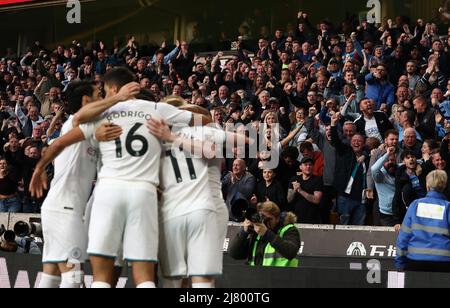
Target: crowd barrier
{"points": [[340, 241], [330, 256], [10, 219], [24, 271], [316, 240]]}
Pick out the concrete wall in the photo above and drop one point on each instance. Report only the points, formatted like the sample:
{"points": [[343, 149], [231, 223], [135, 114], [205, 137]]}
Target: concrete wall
{"points": [[14, 218], [4, 219], [158, 20]]}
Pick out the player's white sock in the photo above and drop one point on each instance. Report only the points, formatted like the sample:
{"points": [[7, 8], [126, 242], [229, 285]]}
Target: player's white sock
{"points": [[100, 285], [72, 280], [172, 284], [49, 281], [147, 285], [203, 285]]}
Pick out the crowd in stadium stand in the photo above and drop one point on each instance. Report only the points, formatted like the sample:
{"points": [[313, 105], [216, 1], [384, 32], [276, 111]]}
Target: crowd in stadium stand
{"points": [[362, 111]]}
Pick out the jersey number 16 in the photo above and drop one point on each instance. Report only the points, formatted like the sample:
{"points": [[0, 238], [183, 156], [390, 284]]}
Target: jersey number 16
{"points": [[132, 137]]}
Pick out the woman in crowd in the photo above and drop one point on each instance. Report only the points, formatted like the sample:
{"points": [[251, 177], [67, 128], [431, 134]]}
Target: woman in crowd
{"points": [[9, 182]]}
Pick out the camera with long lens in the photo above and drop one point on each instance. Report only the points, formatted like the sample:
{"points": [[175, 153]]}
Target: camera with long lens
{"points": [[241, 210], [252, 214], [7, 235], [28, 229], [26, 237]]}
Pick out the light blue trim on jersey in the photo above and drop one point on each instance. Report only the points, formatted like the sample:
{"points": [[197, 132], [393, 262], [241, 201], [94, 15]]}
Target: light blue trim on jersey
{"points": [[137, 260]]}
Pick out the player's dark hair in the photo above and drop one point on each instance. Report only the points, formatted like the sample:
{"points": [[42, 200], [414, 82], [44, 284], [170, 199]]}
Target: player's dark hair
{"points": [[146, 95], [118, 77], [75, 92]]}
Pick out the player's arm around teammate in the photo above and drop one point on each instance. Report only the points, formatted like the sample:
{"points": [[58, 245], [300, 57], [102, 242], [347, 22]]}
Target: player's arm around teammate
{"points": [[162, 131], [38, 184], [89, 112], [200, 116], [205, 145], [92, 111]]}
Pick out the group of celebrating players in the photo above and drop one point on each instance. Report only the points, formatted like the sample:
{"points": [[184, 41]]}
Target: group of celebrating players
{"points": [[153, 201]]}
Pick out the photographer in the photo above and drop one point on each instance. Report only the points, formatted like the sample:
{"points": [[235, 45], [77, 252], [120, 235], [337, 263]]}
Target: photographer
{"points": [[271, 240], [21, 245], [24, 245]]}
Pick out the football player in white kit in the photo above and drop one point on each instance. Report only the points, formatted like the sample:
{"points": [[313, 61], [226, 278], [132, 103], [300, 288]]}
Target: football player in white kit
{"points": [[188, 218], [125, 201], [194, 217], [75, 170]]}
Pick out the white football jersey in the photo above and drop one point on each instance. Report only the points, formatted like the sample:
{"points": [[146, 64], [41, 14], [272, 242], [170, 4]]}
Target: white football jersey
{"points": [[135, 156], [75, 171], [187, 182], [218, 137], [215, 183]]}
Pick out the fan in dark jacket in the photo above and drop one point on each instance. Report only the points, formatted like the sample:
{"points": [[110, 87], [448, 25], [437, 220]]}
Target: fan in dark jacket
{"points": [[183, 63], [372, 123], [350, 176], [440, 160], [288, 167], [426, 119], [407, 186], [269, 189]]}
